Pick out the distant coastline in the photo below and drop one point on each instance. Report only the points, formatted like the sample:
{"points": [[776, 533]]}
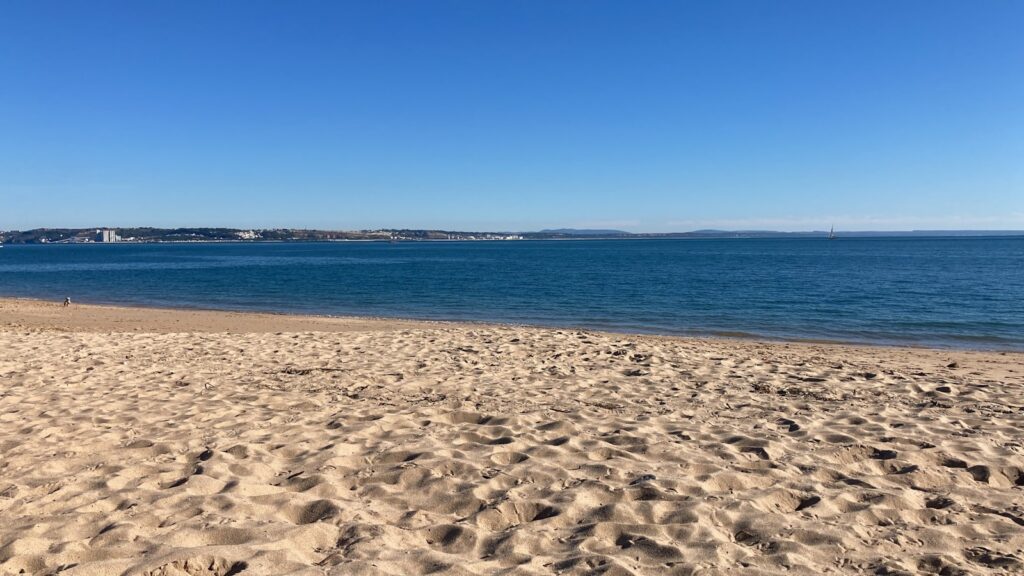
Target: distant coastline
{"points": [[181, 235]]}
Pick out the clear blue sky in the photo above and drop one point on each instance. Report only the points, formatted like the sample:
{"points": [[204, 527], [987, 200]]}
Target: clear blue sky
{"points": [[645, 116]]}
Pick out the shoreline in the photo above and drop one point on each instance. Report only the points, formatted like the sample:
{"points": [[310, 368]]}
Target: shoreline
{"points": [[292, 318], [221, 318]]}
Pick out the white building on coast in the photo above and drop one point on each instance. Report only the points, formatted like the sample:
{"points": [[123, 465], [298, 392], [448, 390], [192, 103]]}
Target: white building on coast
{"points": [[107, 235]]}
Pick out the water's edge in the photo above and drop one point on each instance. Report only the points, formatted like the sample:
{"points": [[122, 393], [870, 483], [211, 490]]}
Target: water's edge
{"points": [[689, 335]]}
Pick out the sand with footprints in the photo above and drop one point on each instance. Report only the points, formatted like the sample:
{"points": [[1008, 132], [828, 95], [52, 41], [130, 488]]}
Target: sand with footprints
{"points": [[153, 442]]}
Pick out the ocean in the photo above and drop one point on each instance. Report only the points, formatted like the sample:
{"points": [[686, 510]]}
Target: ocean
{"points": [[945, 292]]}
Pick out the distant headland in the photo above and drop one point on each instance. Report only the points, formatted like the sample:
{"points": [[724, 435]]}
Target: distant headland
{"points": [[150, 234]]}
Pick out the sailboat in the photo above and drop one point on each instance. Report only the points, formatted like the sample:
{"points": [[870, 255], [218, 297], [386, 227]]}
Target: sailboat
{"points": [[832, 233]]}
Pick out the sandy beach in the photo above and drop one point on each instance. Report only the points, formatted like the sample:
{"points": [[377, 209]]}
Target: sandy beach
{"points": [[159, 442]]}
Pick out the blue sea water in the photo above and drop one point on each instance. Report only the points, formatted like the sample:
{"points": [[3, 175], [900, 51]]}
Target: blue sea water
{"points": [[956, 292]]}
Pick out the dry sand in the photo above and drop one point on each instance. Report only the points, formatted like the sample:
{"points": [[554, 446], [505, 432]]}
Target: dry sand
{"points": [[137, 441]]}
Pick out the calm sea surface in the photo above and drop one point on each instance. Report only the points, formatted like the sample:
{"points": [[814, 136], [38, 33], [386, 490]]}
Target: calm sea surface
{"points": [[960, 292]]}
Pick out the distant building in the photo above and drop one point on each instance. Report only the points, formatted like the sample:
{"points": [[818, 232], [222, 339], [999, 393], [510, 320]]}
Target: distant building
{"points": [[107, 235]]}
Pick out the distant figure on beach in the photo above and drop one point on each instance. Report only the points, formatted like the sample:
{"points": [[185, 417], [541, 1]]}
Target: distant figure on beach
{"points": [[67, 301]]}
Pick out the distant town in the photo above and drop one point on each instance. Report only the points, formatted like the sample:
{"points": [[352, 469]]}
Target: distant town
{"points": [[149, 235], [124, 235]]}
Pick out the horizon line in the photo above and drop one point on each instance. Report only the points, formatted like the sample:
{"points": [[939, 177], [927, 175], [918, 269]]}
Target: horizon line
{"points": [[563, 230]]}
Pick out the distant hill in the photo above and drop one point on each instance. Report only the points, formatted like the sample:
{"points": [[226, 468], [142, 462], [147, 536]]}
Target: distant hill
{"points": [[583, 232], [147, 234]]}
